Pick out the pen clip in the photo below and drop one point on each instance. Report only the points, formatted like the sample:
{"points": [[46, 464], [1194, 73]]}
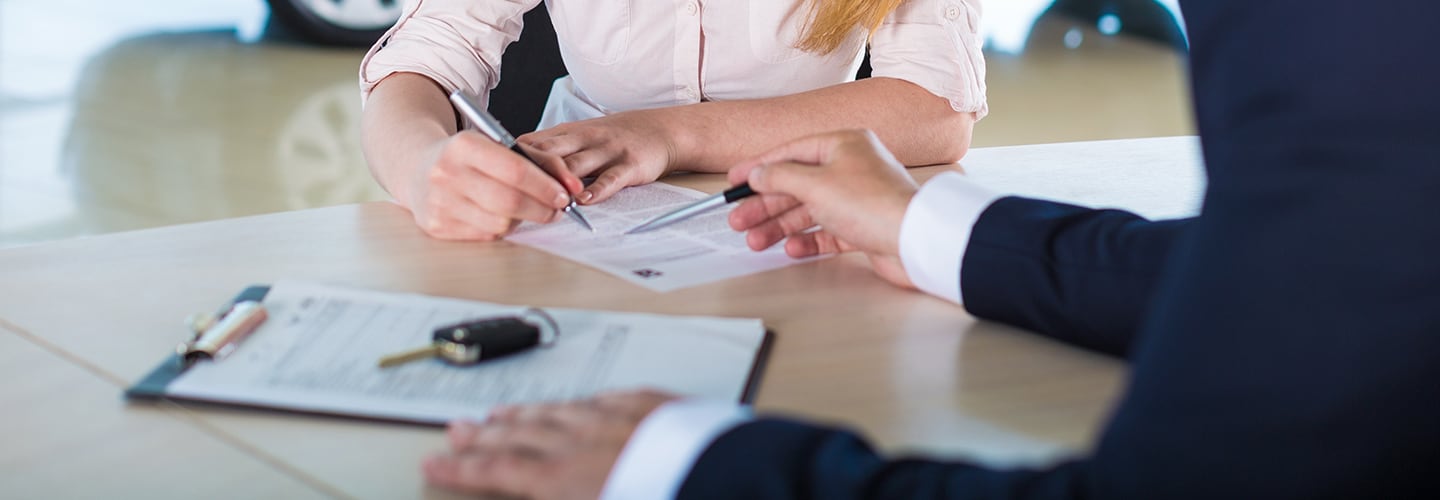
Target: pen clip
{"points": [[216, 338]]}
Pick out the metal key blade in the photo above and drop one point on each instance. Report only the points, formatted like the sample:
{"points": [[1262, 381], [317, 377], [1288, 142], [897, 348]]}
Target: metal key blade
{"points": [[415, 354]]}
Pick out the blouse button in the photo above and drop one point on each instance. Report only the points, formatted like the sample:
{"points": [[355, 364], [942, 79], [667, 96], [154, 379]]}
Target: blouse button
{"points": [[952, 13], [691, 8]]}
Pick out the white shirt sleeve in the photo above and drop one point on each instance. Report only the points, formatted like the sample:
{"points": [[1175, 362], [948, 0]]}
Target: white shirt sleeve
{"points": [[936, 45], [666, 445], [936, 231]]}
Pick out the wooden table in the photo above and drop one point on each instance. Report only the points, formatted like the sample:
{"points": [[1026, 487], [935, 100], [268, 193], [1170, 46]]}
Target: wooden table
{"points": [[81, 319]]}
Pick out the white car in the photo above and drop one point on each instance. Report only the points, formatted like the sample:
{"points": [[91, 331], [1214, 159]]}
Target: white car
{"points": [[340, 22]]}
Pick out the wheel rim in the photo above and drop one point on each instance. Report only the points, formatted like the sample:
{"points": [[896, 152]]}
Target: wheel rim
{"points": [[354, 14]]}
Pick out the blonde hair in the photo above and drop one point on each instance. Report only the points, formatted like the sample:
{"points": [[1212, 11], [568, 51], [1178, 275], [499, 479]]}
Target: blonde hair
{"points": [[832, 21]]}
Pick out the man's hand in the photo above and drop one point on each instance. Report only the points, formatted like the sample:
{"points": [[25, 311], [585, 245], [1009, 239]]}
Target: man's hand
{"points": [[546, 451], [846, 183], [476, 189], [619, 150]]}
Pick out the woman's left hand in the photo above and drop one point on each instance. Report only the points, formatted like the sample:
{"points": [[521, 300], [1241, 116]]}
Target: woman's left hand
{"points": [[620, 150]]}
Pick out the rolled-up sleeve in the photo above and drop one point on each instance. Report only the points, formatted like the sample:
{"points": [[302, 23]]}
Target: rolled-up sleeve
{"points": [[934, 44], [457, 43]]}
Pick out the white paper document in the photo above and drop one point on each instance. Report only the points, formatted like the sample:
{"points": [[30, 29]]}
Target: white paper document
{"points": [[693, 252], [319, 349]]}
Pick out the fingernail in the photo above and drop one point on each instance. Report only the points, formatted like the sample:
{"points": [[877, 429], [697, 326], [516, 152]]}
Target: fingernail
{"points": [[586, 195], [755, 176], [562, 199]]}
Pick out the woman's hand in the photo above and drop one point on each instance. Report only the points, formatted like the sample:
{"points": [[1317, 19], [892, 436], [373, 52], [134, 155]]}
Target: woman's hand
{"points": [[545, 451], [476, 189], [846, 183], [621, 150]]}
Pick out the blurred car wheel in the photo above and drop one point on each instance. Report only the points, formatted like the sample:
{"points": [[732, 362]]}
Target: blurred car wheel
{"points": [[338, 22]]}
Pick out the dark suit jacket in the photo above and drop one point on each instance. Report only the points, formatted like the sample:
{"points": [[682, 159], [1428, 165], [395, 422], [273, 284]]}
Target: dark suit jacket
{"points": [[1285, 343]]}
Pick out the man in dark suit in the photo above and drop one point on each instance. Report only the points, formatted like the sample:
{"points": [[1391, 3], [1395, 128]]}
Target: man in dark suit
{"points": [[1285, 343]]}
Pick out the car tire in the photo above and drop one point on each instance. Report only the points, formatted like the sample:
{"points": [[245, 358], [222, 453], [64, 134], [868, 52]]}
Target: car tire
{"points": [[337, 22]]}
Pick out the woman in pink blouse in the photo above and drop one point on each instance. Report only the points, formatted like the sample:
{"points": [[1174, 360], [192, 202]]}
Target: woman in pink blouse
{"points": [[656, 87]]}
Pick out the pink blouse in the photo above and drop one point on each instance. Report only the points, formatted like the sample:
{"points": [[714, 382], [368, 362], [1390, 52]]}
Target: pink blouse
{"points": [[636, 54]]}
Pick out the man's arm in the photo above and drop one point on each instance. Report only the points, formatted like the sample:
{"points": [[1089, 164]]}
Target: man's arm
{"points": [[1079, 275], [774, 459], [1290, 350]]}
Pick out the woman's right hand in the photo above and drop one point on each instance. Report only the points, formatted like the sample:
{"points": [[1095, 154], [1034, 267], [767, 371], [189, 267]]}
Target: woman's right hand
{"points": [[475, 189]]}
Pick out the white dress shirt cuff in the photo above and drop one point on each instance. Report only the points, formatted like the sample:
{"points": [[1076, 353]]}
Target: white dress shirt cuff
{"points": [[936, 231], [666, 445]]}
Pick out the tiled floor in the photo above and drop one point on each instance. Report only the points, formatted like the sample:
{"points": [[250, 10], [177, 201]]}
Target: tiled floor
{"points": [[125, 115]]}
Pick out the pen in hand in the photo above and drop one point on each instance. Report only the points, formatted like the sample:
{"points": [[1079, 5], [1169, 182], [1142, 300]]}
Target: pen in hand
{"points": [[492, 129], [731, 195]]}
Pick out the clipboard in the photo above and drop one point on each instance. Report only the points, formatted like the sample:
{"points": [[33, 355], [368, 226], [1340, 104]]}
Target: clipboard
{"points": [[152, 386], [161, 383]]}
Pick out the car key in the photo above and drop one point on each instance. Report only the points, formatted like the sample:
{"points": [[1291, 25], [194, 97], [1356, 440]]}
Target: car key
{"points": [[471, 342]]}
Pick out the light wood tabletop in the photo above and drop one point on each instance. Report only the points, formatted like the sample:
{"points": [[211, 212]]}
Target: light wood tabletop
{"points": [[85, 317]]}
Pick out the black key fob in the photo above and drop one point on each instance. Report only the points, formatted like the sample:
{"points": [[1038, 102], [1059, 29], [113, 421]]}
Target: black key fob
{"points": [[471, 342]]}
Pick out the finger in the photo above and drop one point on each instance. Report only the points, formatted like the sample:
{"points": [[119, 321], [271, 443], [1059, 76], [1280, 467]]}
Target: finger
{"points": [[496, 197], [505, 473], [453, 217], [503, 413], [459, 434], [631, 403], [608, 183], [574, 416], [543, 438], [758, 209], [554, 166], [794, 179], [741, 173], [489, 158], [556, 141], [586, 162], [570, 417], [785, 225], [533, 413], [815, 243]]}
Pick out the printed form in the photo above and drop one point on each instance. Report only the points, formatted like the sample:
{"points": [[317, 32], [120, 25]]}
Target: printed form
{"points": [[694, 252], [319, 349]]}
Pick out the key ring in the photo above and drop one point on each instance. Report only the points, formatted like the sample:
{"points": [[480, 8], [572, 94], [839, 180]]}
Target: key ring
{"points": [[549, 328]]}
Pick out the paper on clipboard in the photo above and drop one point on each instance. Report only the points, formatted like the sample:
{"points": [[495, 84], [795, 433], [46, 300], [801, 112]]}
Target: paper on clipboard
{"points": [[318, 353]]}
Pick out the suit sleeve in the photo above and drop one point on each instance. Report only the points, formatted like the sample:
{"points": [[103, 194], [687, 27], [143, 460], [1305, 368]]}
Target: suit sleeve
{"points": [[774, 459], [1079, 275]]}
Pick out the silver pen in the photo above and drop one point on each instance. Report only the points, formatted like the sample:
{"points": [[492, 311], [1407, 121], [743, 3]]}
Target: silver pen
{"points": [[492, 128], [716, 200]]}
